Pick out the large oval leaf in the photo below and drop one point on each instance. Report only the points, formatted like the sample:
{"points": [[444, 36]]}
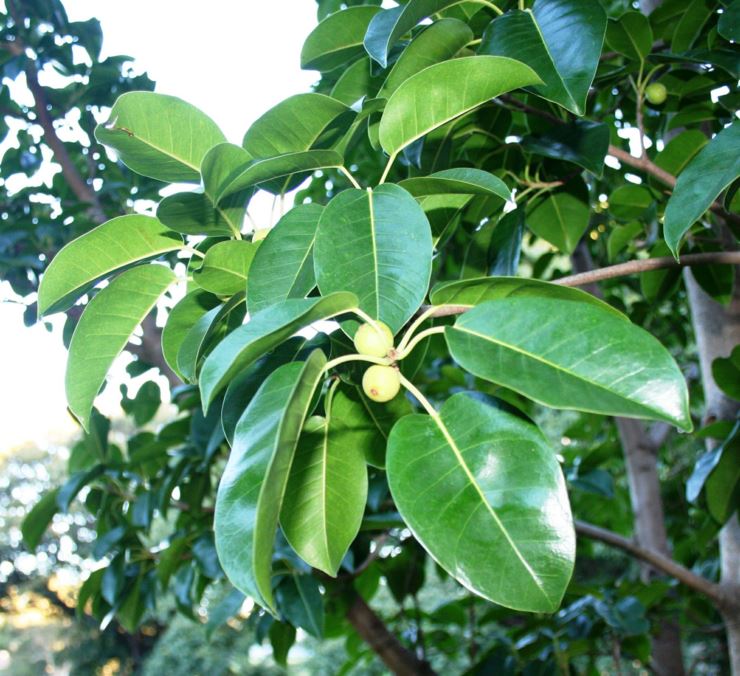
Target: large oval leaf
{"points": [[327, 489], [462, 181], [560, 39], [104, 329], [387, 27], [103, 250], [264, 331], [182, 318], [482, 491], [378, 245], [193, 213], [707, 175], [283, 265], [301, 122], [436, 43], [337, 39], [252, 486], [159, 136], [571, 355], [561, 219], [225, 267], [480, 289], [445, 91]]}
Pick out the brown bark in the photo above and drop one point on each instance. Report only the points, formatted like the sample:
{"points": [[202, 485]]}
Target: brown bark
{"points": [[717, 331], [373, 631]]}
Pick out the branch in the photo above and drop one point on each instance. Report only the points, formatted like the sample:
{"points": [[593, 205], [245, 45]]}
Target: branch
{"points": [[619, 270], [373, 631], [659, 561]]}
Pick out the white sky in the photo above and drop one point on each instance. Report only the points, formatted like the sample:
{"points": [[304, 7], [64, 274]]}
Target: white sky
{"points": [[234, 60]]}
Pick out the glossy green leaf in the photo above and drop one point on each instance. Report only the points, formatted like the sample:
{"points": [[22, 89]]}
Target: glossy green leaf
{"points": [[182, 318], [282, 637], [225, 267], [483, 493], [378, 245], [561, 219], [326, 494], [463, 181], [245, 385], [726, 373], [478, 290], [193, 213], [258, 172], [38, 519], [300, 602], [572, 356], [722, 487], [196, 340], [298, 123], [355, 83], [709, 464], [728, 25], [582, 142], [436, 43], [159, 136], [220, 164], [560, 40], [692, 19], [261, 334], [252, 487], [337, 39], [621, 236], [104, 329], [283, 265], [630, 201], [706, 176], [445, 91], [388, 26], [112, 246], [630, 35], [680, 150]]}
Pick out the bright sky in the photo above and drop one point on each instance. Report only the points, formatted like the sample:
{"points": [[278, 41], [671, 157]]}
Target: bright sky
{"points": [[234, 60]]}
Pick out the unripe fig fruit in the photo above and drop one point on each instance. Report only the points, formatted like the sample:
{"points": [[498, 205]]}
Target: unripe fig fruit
{"points": [[259, 234], [374, 343], [381, 383], [656, 93]]}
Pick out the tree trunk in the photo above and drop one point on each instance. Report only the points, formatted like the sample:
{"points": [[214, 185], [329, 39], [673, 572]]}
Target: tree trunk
{"points": [[641, 463], [717, 331]]}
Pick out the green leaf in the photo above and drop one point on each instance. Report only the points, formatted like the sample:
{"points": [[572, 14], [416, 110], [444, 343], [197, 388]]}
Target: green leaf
{"points": [[483, 493], [478, 290], [298, 123], [728, 25], [196, 340], [560, 39], [255, 172], [283, 265], [630, 35], [680, 150], [355, 83], [104, 329], [629, 201], [561, 219], [722, 487], [436, 43], [182, 318], [111, 246], [337, 39], [193, 213], [282, 638], [227, 608], [582, 142], [726, 373], [327, 489], [692, 19], [445, 91], [225, 267], [262, 333], [159, 136], [244, 386], [708, 463], [572, 356], [463, 181], [220, 164], [300, 602], [252, 487], [378, 245], [621, 236], [706, 176], [387, 27], [38, 519]]}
